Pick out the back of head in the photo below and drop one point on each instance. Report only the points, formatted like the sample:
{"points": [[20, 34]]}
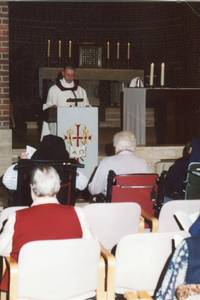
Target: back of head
{"points": [[125, 140], [195, 154], [52, 148], [186, 150], [45, 181]]}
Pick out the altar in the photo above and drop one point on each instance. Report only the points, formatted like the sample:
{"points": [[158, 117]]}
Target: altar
{"points": [[176, 113], [89, 79]]}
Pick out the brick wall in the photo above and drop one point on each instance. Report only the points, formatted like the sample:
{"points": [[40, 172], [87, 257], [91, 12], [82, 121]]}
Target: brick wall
{"points": [[158, 32], [4, 66]]}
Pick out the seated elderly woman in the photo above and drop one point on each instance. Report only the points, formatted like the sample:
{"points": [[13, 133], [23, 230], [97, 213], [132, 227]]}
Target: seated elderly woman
{"points": [[184, 268], [123, 162], [46, 219]]}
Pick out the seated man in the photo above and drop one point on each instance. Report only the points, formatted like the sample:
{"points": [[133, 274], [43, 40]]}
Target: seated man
{"points": [[174, 181], [123, 162], [46, 219], [175, 177]]}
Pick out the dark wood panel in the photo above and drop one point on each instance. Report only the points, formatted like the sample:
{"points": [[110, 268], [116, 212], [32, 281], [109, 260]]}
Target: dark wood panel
{"points": [[177, 116]]}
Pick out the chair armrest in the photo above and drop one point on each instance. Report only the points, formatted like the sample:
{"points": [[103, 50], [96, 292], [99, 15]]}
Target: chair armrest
{"points": [[153, 220], [110, 280], [4, 267], [144, 295], [140, 295], [101, 277], [141, 225], [13, 274], [130, 295]]}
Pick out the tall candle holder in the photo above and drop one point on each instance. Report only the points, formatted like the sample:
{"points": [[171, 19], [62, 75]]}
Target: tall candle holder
{"points": [[58, 62], [117, 63], [128, 64], [48, 62], [162, 86], [108, 63], [70, 60]]}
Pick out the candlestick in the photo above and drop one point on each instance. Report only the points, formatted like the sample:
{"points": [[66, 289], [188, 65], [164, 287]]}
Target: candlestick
{"points": [[70, 49], [151, 74], [48, 49], [162, 77], [108, 50], [59, 49], [108, 63], [128, 60], [128, 51], [117, 50]]}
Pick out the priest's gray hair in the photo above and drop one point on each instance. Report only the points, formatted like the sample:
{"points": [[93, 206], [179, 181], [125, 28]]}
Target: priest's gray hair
{"points": [[45, 181], [70, 67], [125, 140]]}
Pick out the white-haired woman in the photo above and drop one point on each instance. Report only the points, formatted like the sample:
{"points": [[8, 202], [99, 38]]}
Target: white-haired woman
{"points": [[123, 162], [46, 219]]}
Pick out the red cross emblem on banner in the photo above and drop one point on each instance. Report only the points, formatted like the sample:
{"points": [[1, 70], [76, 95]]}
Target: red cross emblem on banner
{"points": [[84, 138]]}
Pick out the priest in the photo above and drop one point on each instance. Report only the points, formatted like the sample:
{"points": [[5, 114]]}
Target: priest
{"points": [[59, 93]]}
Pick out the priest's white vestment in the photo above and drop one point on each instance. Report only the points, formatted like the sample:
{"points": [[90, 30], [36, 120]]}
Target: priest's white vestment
{"points": [[57, 95]]}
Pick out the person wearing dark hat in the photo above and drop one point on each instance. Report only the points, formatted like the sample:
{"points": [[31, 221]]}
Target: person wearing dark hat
{"points": [[52, 148]]}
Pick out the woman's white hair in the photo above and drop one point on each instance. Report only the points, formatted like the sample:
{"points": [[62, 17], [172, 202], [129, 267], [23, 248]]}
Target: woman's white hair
{"points": [[45, 181], [125, 140]]}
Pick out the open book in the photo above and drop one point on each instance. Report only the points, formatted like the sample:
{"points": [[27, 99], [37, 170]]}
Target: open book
{"points": [[186, 220]]}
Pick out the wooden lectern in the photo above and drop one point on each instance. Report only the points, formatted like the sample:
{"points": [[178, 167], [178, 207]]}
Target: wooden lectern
{"points": [[49, 115]]}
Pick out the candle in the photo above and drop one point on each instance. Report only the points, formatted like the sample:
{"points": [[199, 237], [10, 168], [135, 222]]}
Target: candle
{"points": [[162, 77], [48, 49], [70, 49], [59, 49], [151, 74], [128, 51], [108, 50], [117, 50]]}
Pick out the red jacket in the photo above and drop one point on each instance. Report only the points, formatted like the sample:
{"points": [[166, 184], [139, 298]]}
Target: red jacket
{"points": [[43, 222]]}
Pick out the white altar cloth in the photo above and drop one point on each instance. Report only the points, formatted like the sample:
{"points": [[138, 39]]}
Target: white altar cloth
{"points": [[134, 113]]}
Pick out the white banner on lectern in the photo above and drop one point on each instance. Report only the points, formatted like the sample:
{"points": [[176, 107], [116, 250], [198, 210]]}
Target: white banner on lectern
{"points": [[78, 126]]}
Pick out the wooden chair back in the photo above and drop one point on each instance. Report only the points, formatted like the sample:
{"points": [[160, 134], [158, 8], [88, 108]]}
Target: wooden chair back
{"points": [[58, 269]]}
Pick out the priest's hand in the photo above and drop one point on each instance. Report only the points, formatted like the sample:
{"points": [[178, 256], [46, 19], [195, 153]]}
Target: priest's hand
{"points": [[54, 105]]}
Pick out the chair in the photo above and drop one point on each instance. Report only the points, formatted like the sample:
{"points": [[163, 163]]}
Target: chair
{"points": [[192, 190], [7, 211], [111, 221], [167, 221], [58, 269], [140, 263], [66, 171], [139, 188]]}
